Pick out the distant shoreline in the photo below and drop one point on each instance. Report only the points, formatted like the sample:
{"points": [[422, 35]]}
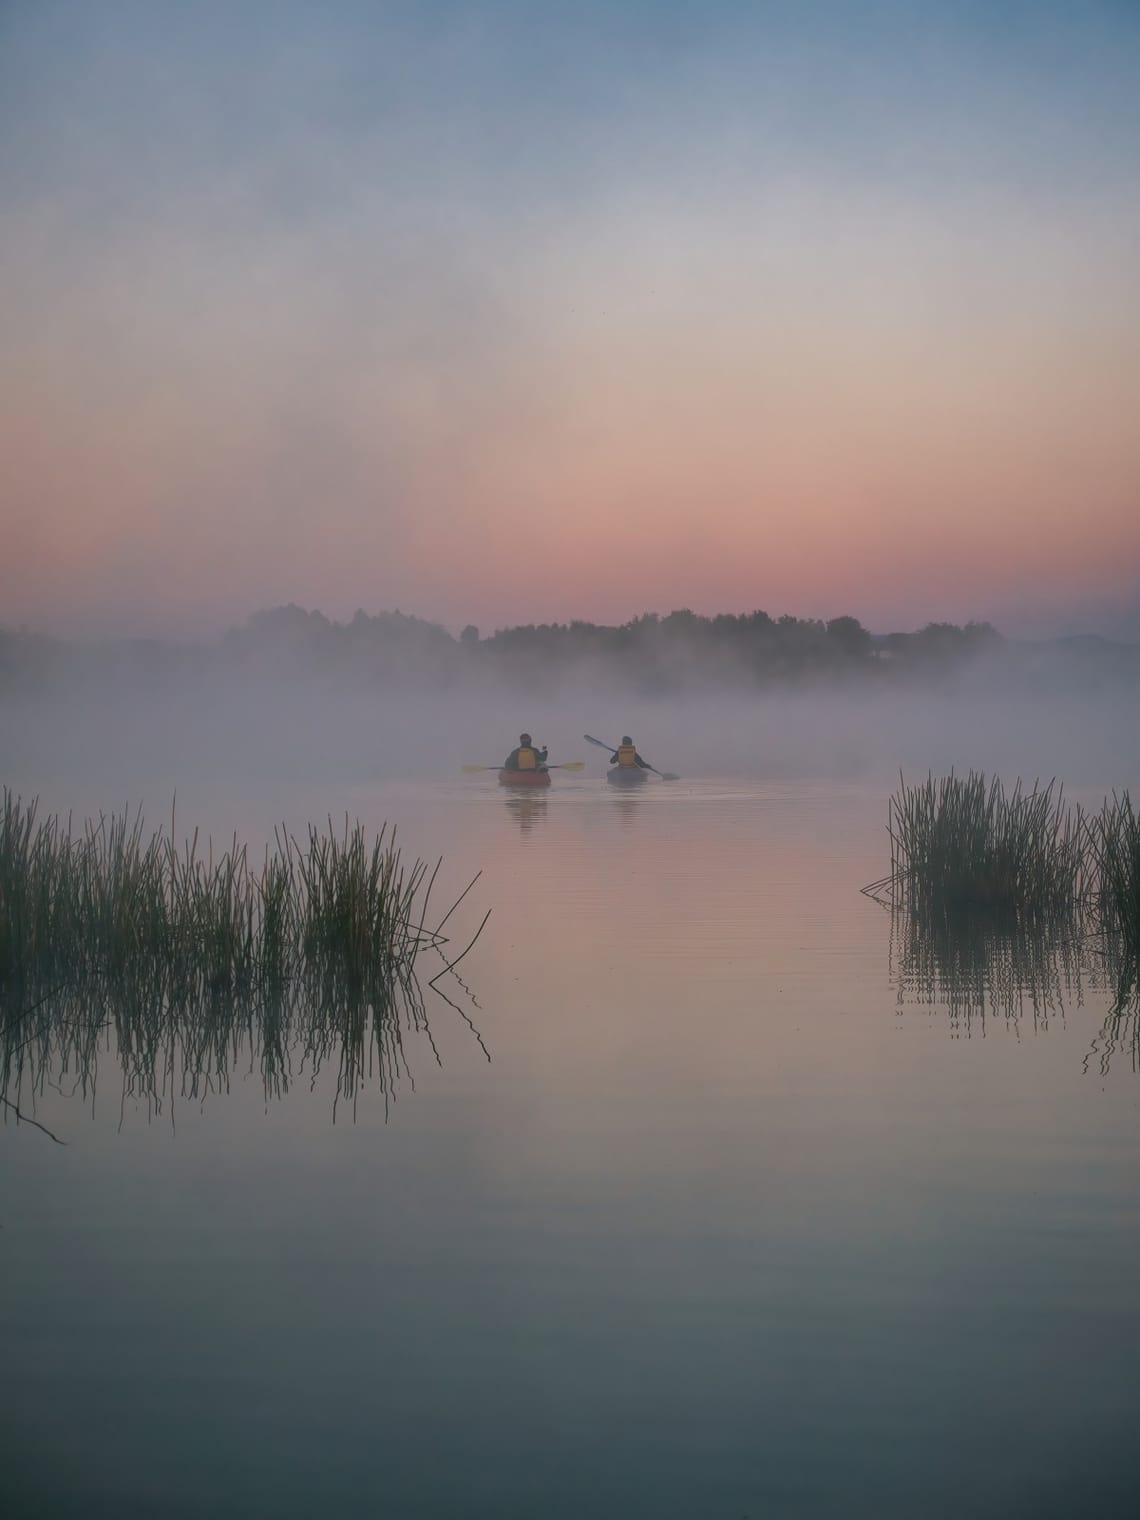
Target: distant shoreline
{"points": [[650, 654]]}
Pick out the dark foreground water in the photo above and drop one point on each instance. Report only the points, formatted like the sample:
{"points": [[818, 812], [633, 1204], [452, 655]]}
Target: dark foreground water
{"points": [[746, 1215]]}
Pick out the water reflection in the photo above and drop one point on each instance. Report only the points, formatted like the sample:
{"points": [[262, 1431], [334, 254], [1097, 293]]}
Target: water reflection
{"points": [[978, 971], [627, 804], [191, 1045], [1119, 1035], [527, 811]]}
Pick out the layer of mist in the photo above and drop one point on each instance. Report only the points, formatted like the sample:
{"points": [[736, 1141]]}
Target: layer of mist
{"points": [[293, 697]]}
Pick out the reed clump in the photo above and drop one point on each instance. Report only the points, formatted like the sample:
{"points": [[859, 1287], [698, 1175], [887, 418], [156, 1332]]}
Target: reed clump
{"points": [[1114, 841], [188, 963], [964, 845], [998, 898], [1114, 849], [112, 904]]}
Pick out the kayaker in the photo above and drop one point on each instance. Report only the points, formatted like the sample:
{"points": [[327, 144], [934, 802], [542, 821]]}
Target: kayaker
{"points": [[527, 757], [626, 755]]}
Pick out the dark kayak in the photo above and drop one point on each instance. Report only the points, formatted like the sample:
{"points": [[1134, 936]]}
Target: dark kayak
{"points": [[627, 775]]}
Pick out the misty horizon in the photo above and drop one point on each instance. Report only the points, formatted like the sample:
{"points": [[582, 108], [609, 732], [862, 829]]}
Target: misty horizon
{"points": [[1121, 624]]}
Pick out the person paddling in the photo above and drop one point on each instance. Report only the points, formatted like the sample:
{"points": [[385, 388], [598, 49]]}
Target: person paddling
{"points": [[626, 755], [633, 761], [527, 757]]}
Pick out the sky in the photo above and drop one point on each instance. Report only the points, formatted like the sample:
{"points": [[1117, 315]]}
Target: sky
{"points": [[505, 312]]}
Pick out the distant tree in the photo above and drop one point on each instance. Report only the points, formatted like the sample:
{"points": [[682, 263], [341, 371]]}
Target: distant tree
{"points": [[936, 641], [470, 636], [682, 620], [849, 635], [981, 636]]}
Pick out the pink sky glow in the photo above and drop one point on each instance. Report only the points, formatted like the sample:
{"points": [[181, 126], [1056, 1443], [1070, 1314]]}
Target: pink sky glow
{"points": [[805, 390]]}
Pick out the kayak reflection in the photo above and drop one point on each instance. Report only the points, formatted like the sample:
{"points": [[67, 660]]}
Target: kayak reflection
{"points": [[527, 808], [627, 804]]}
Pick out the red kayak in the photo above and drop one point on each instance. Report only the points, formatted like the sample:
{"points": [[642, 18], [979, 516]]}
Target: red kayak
{"points": [[524, 778]]}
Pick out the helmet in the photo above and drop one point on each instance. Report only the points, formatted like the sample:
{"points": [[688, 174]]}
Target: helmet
{"points": [[625, 739], [524, 738]]}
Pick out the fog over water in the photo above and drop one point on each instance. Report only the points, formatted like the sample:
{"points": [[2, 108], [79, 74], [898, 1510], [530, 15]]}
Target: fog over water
{"points": [[702, 1188], [730, 1209], [130, 735]]}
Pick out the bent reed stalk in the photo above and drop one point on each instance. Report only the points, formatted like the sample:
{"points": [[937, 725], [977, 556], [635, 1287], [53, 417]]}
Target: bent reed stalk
{"points": [[111, 904]]}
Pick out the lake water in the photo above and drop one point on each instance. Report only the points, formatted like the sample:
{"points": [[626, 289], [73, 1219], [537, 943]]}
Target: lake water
{"points": [[721, 1215]]}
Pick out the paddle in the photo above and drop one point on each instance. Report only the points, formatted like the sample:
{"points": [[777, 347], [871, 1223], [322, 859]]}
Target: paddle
{"points": [[567, 765], [665, 775]]}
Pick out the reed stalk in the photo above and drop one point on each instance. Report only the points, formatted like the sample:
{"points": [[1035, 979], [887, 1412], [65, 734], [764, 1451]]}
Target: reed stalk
{"points": [[184, 959], [963, 844], [115, 904], [1114, 839]]}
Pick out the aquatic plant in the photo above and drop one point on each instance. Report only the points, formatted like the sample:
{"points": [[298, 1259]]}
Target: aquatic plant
{"points": [[114, 904], [186, 959], [1001, 900], [1114, 840], [963, 844]]}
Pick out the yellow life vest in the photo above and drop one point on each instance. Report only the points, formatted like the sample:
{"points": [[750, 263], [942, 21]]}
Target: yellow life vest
{"points": [[528, 760], [627, 754]]}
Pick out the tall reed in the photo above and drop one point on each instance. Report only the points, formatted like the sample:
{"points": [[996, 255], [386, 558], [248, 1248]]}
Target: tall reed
{"points": [[1114, 837], [965, 844], [116, 904], [1001, 898], [189, 957]]}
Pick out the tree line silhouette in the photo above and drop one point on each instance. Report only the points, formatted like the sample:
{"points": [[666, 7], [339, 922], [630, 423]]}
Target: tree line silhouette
{"points": [[651, 652]]}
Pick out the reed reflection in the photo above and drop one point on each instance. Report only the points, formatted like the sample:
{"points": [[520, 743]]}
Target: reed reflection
{"points": [[979, 969], [193, 1044], [1119, 1035]]}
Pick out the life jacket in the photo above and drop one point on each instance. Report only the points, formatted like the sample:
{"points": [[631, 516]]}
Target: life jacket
{"points": [[627, 754], [528, 759]]}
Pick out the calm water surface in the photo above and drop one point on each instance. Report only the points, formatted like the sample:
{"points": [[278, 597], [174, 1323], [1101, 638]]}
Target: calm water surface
{"points": [[736, 1220]]}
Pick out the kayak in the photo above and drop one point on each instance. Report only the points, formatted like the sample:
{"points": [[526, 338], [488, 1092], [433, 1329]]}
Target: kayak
{"points": [[524, 778], [626, 775]]}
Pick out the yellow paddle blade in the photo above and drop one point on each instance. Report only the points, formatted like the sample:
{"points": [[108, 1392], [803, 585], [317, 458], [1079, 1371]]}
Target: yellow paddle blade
{"points": [[570, 765], [471, 769]]}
